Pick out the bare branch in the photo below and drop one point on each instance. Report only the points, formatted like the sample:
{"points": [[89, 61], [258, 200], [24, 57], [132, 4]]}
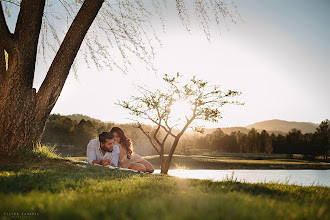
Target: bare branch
{"points": [[165, 138], [155, 136], [147, 135]]}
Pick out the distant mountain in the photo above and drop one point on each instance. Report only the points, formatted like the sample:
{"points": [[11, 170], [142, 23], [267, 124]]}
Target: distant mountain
{"points": [[237, 129], [271, 126], [283, 126], [79, 117], [227, 130]]}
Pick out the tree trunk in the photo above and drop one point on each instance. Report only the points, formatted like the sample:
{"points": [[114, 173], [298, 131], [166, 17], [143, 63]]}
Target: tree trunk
{"points": [[170, 155], [175, 144], [23, 112], [162, 160], [18, 125]]}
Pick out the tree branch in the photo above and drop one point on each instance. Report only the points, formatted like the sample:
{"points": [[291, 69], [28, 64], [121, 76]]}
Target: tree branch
{"points": [[6, 36], [146, 134], [26, 38], [165, 138], [162, 126], [155, 136], [52, 85], [29, 22], [188, 122]]}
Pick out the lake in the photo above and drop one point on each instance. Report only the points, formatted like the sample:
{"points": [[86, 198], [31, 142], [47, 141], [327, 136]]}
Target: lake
{"points": [[297, 177]]}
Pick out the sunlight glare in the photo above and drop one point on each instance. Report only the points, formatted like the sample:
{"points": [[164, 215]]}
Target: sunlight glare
{"points": [[180, 110]]}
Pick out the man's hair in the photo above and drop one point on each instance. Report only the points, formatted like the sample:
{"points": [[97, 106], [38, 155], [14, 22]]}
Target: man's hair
{"points": [[104, 136]]}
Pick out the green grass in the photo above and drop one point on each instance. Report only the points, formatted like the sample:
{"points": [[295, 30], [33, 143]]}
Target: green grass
{"points": [[220, 162], [59, 189]]}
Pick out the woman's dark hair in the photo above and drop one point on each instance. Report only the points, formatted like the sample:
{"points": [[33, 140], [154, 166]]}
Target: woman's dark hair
{"points": [[124, 141], [104, 136]]}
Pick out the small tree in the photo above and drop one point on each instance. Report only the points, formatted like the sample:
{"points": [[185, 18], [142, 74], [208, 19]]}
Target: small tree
{"points": [[197, 100]]}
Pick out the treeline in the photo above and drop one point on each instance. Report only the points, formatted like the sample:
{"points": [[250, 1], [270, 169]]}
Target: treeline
{"points": [[65, 132], [75, 132], [71, 134], [294, 142]]}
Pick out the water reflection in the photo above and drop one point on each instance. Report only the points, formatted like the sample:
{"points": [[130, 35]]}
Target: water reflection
{"points": [[297, 177]]}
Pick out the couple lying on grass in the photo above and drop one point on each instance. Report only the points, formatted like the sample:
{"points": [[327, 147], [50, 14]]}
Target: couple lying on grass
{"points": [[115, 149]]}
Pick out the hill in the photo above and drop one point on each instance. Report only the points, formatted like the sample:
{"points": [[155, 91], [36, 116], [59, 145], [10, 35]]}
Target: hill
{"points": [[79, 117], [271, 126], [237, 129], [283, 126]]}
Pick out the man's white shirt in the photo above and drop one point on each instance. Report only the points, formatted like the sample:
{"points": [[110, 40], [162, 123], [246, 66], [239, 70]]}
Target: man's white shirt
{"points": [[94, 152]]}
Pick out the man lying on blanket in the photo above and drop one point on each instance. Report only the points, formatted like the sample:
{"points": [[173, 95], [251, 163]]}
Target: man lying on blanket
{"points": [[103, 151]]}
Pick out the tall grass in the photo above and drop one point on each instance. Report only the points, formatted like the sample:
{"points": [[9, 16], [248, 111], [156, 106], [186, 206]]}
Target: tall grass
{"points": [[39, 151]]}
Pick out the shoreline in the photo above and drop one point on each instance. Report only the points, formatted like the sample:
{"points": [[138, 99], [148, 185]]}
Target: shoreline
{"points": [[229, 163], [224, 163]]}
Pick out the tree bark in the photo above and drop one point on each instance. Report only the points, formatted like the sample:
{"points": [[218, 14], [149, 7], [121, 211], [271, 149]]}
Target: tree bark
{"points": [[23, 112], [162, 160], [17, 96]]}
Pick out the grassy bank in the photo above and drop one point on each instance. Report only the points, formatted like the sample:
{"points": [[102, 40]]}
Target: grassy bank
{"points": [[221, 162], [59, 189]]}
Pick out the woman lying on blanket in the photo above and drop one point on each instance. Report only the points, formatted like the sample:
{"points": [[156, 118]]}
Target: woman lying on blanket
{"points": [[128, 159]]}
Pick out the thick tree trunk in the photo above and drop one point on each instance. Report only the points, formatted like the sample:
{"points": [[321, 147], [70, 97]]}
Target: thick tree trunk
{"points": [[18, 125], [23, 112]]}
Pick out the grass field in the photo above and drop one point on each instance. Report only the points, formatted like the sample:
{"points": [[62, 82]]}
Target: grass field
{"points": [[222, 162], [45, 188]]}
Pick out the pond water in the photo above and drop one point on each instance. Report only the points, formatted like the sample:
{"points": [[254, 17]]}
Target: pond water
{"points": [[297, 177]]}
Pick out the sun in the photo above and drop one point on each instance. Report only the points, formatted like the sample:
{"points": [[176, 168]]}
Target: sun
{"points": [[181, 109]]}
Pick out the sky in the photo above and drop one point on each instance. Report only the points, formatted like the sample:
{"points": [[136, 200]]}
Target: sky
{"points": [[278, 57]]}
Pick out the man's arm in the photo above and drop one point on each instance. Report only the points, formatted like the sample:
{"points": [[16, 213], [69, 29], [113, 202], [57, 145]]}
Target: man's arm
{"points": [[115, 156], [91, 154]]}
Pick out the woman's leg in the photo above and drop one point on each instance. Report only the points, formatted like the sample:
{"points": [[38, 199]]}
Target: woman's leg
{"points": [[137, 166], [149, 167]]}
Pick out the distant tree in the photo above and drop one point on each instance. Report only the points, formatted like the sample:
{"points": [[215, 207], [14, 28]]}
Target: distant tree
{"points": [[216, 139], [230, 143], [242, 142], [253, 141], [263, 141], [308, 148], [323, 137], [202, 101], [294, 140], [279, 144], [104, 127], [59, 130], [266, 142], [85, 131], [184, 146]]}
